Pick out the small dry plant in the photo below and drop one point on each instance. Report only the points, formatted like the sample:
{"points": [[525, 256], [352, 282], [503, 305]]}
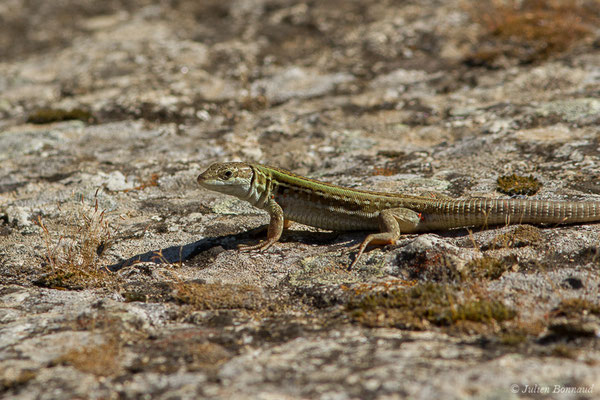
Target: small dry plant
{"points": [[531, 30], [73, 253]]}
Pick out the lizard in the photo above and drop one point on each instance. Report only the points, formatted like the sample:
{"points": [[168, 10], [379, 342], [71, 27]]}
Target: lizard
{"points": [[289, 197]]}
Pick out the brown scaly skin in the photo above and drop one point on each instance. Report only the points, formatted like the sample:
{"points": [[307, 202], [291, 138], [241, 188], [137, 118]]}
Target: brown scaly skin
{"points": [[290, 197]]}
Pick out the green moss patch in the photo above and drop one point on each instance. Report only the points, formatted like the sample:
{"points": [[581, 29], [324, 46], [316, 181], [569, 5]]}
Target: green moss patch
{"points": [[430, 303], [518, 185], [49, 115], [219, 296], [484, 268]]}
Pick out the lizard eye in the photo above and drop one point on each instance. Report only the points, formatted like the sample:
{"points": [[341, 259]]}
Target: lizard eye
{"points": [[227, 174]]}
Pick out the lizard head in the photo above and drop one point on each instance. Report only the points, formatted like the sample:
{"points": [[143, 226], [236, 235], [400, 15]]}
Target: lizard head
{"points": [[234, 178]]}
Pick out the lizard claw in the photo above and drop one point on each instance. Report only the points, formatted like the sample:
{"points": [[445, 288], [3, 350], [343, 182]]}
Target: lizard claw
{"points": [[262, 246]]}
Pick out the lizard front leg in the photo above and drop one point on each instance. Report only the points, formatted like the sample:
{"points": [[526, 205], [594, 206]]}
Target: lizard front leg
{"points": [[389, 223], [276, 225]]}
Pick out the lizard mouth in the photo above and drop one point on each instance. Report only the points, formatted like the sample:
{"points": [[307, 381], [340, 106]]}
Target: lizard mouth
{"points": [[207, 182]]}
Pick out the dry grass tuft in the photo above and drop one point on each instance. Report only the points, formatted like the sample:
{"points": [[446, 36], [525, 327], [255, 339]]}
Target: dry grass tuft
{"points": [[576, 307], [12, 380], [99, 360], [74, 250], [530, 30]]}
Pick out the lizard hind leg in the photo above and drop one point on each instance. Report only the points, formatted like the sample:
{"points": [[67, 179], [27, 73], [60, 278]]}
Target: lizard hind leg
{"points": [[389, 224]]}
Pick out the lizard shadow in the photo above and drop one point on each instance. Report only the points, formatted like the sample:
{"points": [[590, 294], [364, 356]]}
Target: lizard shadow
{"points": [[176, 254]]}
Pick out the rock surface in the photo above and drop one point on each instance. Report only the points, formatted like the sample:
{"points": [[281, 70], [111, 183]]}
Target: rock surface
{"points": [[120, 276]]}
